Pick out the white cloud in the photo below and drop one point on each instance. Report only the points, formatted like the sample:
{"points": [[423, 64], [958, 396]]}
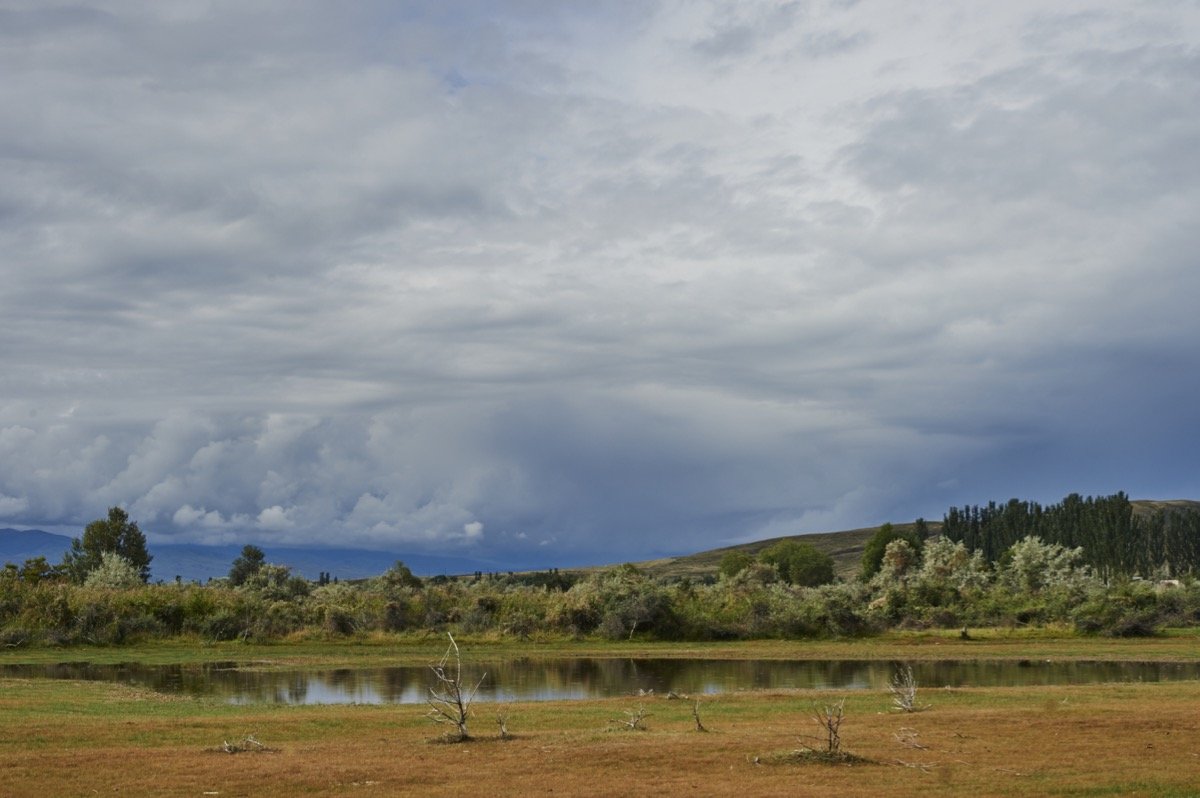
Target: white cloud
{"points": [[633, 277], [275, 519]]}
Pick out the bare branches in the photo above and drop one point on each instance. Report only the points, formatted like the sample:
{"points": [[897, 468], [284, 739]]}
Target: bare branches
{"points": [[828, 750], [903, 688], [908, 738], [829, 718], [247, 743], [449, 699], [633, 721]]}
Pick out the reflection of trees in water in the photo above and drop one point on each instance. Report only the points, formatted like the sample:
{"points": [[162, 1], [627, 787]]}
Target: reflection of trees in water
{"points": [[297, 688], [343, 679], [394, 683], [532, 679], [611, 677]]}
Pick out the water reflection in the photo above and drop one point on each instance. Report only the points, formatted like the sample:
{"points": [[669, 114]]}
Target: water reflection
{"points": [[578, 678]]}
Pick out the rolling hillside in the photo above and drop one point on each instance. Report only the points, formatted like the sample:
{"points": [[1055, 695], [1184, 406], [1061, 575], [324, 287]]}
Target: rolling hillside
{"points": [[845, 547]]}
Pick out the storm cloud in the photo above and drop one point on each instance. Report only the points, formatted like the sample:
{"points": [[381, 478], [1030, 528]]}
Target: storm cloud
{"points": [[541, 283]]}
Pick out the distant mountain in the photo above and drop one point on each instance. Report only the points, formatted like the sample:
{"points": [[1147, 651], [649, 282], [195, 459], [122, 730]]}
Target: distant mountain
{"points": [[194, 561], [19, 545], [197, 562]]}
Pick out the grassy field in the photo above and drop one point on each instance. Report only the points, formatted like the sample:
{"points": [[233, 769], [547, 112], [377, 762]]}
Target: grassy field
{"points": [[63, 738], [383, 650], [75, 738]]}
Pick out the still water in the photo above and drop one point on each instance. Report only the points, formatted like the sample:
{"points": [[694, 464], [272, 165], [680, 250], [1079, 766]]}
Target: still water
{"points": [[579, 678]]}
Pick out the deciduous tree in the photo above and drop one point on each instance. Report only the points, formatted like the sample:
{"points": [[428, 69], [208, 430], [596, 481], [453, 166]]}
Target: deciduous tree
{"points": [[247, 564], [116, 534], [800, 563]]}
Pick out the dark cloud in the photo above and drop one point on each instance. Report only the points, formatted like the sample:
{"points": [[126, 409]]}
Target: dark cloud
{"points": [[537, 282]]}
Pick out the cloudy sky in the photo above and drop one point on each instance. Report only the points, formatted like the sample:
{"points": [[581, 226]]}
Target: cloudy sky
{"points": [[542, 282]]}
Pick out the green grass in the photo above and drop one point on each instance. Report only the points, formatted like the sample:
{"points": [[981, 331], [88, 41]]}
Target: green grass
{"points": [[383, 650]]}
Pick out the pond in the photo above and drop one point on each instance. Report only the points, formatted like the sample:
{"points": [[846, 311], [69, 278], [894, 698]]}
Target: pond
{"points": [[580, 678]]}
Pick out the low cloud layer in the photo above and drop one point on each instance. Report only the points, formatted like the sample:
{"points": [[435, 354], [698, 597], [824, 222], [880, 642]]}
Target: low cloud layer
{"points": [[531, 282]]}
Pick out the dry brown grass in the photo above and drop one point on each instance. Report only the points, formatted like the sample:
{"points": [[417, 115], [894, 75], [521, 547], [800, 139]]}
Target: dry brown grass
{"points": [[84, 739]]}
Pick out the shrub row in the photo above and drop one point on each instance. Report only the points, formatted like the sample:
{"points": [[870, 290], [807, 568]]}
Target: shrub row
{"points": [[945, 588]]}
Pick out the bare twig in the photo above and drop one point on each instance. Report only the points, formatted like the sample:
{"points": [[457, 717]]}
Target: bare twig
{"points": [[903, 688], [633, 720], [449, 699], [829, 718], [908, 738], [247, 743], [921, 766], [696, 715]]}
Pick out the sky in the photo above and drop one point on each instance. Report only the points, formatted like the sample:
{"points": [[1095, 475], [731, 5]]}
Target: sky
{"points": [[541, 282]]}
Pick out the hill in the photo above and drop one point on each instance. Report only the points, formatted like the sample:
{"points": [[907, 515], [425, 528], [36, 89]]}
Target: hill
{"points": [[1147, 506], [845, 547], [19, 545]]}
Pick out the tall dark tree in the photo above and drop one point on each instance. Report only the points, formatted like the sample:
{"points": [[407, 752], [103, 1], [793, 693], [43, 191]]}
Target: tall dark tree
{"points": [[1116, 541], [247, 564], [115, 534]]}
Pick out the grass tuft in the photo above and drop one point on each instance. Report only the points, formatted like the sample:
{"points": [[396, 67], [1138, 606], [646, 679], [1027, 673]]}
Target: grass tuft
{"points": [[809, 756]]}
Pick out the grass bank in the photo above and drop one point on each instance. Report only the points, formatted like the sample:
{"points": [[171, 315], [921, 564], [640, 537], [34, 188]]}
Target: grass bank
{"points": [[382, 650], [67, 738]]}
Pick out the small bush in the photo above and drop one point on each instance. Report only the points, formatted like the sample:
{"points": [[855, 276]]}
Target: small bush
{"points": [[281, 619], [225, 625], [338, 621], [396, 616], [15, 637]]}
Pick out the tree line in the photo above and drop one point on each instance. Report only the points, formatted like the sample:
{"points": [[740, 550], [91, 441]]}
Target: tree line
{"points": [[1117, 541], [910, 578]]}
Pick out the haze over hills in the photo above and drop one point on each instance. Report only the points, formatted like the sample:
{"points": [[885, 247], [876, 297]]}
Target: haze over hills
{"points": [[199, 562]]}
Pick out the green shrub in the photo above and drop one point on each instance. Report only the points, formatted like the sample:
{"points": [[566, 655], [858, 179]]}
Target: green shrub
{"points": [[800, 563], [281, 619], [733, 563], [338, 621], [225, 625], [396, 616]]}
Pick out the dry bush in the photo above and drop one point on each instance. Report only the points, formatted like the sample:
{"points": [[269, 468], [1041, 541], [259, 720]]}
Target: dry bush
{"points": [[903, 688], [829, 749], [245, 745], [633, 721], [449, 698]]}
